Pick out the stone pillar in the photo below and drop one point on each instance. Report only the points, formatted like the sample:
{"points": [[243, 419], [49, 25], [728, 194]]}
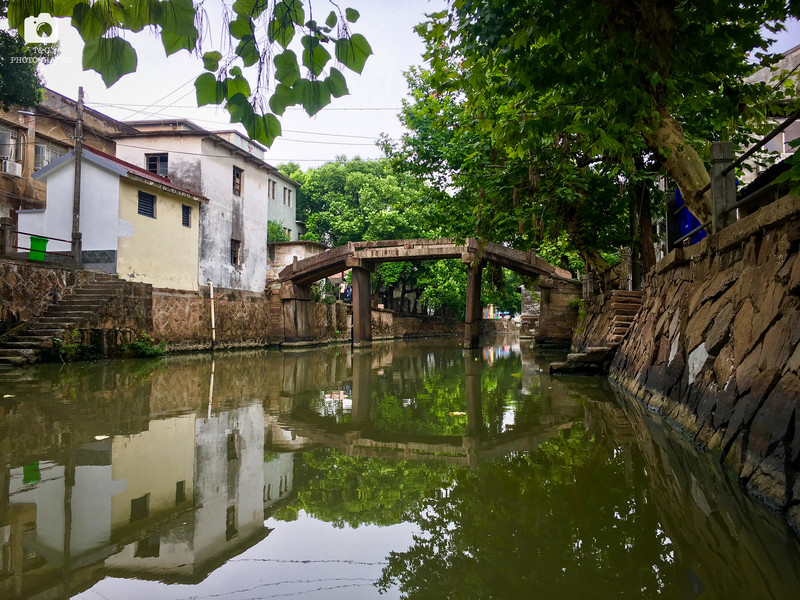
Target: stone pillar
{"points": [[473, 315], [6, 236], [557, 317], [471, 442], [723, 186], [362, 313], [298, 312]]}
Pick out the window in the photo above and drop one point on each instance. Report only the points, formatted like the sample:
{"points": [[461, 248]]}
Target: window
{"points": [[147, 205], [140, 508], [272, 189], [230, 523], [10, 145], [288, 232], [236, 246], [287, 196], [237, 181], [46, 152], [157, 163], [148, 547], [180, 492], [186, 215]]}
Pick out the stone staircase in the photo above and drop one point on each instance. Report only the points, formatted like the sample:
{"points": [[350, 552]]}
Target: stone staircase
{"points": [[597, 359], [71, 312], [624, 304]]}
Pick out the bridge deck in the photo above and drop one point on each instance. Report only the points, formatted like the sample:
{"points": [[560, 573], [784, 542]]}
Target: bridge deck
{"points": [[356, 254]]}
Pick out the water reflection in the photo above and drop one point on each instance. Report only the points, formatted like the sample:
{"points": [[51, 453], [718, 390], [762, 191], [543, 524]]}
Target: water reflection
{"points": [[263, 474]]}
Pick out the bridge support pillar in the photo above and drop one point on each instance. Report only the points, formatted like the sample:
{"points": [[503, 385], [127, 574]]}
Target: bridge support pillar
{"points": [[298, 312], [362, 311], [362, 388], [558, 315], [473, 315]]}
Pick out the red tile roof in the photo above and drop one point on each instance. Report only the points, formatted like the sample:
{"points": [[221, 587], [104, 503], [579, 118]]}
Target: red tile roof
{"points": [[140, 172]]}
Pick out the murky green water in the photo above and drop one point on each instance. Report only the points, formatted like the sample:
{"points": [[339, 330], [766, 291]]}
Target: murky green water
{"points": [[412, 470]]}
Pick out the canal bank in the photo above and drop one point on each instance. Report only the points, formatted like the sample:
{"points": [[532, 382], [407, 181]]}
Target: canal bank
{"points": [[715, 349]]}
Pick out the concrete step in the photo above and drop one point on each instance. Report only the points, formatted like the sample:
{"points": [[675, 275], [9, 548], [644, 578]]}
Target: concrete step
{"points": [[67, 314], [44, 331], [59, 310], [16, 345]]}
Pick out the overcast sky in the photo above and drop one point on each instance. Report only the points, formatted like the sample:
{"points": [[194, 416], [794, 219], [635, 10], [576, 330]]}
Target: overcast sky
{"points": [[163, 87]]}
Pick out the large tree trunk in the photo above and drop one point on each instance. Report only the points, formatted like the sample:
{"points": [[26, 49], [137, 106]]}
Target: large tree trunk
{"points": [[591, 255], [665, 137], [646, 232]]}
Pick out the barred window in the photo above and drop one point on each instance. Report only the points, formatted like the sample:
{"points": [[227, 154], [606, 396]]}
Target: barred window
{"points": [[186, 215]]}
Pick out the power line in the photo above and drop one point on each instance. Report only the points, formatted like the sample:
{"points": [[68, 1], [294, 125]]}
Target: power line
{"points": [[327, 108]]}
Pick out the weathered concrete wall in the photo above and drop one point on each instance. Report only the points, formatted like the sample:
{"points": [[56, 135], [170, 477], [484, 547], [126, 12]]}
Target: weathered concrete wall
{"points": [[715, 349], [557, 317]]}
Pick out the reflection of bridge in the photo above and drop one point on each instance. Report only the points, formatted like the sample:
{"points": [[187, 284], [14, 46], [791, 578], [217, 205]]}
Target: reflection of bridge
{"points": [[361, 258], [358, 437]]}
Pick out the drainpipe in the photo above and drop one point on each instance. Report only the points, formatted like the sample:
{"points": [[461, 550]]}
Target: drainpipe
{"points": [[213, 326]]}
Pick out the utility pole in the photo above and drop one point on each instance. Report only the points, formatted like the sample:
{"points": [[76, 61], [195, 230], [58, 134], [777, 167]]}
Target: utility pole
{"points": [[76, 193]]}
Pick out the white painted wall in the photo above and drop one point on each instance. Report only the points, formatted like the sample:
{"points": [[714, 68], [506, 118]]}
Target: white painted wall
{"points": [[99, 220]]}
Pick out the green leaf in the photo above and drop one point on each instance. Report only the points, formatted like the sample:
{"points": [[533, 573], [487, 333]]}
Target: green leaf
{"points": [[211, 60], [287, 11], [249, 8], [315, 57], [331, 20], [174, 43], [237, 85], [247, 51], [336, 83], [281, 33], [286, 68], [353, 52], [209, 90], [241, 27], [112, 57], [263, 128], [316, 96], [177, 17], [281, 98], [239, 108], [90, 23], [351, 14]]}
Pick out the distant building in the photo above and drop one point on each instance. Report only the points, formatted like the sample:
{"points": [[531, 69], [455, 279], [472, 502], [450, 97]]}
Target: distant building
{"points": [[32, 137], [134, 224], [243, 190]]}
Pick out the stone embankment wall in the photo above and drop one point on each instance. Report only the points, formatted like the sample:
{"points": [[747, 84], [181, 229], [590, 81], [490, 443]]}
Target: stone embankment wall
{"points": [[715, 349]]}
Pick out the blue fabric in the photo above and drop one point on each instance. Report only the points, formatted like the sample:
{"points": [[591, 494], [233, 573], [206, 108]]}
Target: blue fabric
{"points": [[687, 221]]}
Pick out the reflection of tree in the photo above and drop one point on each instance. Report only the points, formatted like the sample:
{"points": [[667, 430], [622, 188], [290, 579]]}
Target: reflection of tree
{"points": [[346, 490], [558, 523]]}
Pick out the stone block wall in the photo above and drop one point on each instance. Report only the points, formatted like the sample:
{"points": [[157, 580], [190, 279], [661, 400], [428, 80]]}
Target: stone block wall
{"points": [[558, 315], [716, 348]]}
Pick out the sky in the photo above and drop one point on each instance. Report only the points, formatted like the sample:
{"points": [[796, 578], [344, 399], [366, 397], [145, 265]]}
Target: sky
{"points": [[163, 87]]}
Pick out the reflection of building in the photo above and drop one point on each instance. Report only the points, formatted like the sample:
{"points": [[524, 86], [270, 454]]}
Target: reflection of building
{"points": [[228, 514]]}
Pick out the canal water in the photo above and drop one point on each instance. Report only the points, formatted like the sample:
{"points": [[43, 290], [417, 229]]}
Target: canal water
{"points": [[409, 470]]}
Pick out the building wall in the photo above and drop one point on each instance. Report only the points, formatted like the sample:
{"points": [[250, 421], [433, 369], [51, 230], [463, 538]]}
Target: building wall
{"points": [[228, 217], [158, 251], [152, 462], [279, 210], [183, 161], [99, 220]]}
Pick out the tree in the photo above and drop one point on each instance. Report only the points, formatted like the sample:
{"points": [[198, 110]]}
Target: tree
{"points": [[261, 47], [19, 78], [275, 232], [609, 74]]}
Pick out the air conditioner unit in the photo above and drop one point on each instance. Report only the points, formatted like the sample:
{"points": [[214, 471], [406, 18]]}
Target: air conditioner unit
{"points": [[12, 168]]}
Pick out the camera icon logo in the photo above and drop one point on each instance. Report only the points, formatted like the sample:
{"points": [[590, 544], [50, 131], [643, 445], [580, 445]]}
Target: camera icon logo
{"points": [[40, 30]]}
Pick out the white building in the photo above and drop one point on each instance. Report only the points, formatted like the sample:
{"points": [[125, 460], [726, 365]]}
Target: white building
{"points": [[243, 190]]}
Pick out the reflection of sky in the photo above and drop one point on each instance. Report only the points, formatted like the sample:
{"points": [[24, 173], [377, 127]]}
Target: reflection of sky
{"points": [[305, 558]]}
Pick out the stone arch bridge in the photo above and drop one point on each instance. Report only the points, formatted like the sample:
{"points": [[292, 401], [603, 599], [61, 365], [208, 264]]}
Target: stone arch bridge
{"points": [[361, 258]]}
